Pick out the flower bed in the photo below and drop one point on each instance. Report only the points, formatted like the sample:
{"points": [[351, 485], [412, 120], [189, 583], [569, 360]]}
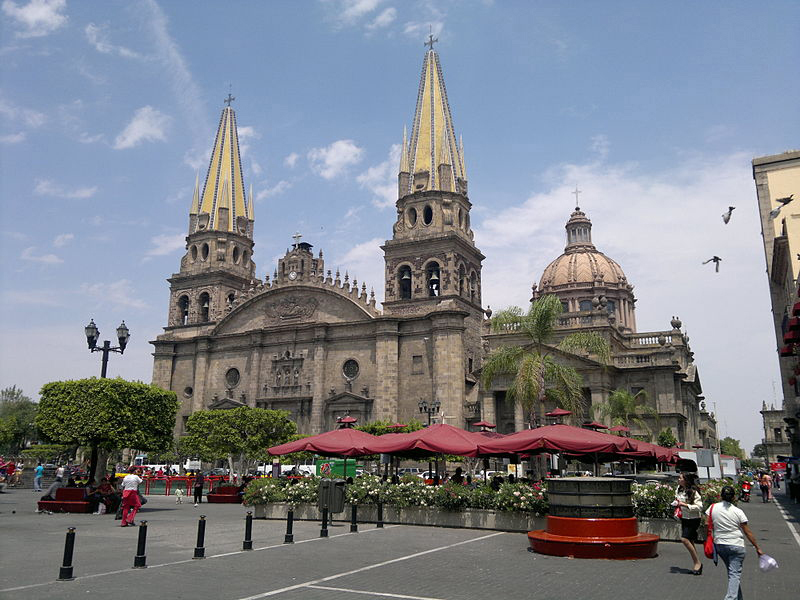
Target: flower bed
{"points": [[650, 500]]}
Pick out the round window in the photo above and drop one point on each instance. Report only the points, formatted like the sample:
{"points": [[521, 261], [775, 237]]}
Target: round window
{"points": [[232, 378], [427, 215], [188, 391], [204, 252], [412, 216], [350, 369], [194, 252]]}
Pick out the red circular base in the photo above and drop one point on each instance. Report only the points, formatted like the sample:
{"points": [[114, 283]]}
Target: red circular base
{"points": [[643, 545]]}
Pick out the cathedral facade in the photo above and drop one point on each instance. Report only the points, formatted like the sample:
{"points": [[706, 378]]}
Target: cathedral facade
{"points": [[314, 343]]}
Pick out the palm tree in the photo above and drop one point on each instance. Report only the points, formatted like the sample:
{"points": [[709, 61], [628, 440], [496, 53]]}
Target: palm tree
{"points": [[537, 374], [624, 408]]}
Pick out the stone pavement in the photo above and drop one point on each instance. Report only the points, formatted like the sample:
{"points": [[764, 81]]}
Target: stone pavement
{"points": [[394, 562]]}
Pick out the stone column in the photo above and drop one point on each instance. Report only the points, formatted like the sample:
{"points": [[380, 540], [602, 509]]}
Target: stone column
{"points": [[318, 380], [521, 418], [488, 408], [199, 399], [447, 330], [386, 359], [254, 381]]}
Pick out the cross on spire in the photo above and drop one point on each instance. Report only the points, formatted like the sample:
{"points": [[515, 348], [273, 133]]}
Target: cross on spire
{"points": [[576, 192], [431, 40], [296, 237], [229, 99]]}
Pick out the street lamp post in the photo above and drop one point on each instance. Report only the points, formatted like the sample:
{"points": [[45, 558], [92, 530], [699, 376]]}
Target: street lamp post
{"points": [[93, 334], [429, 409]]}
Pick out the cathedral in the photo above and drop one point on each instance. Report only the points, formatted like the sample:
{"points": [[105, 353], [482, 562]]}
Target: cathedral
{"points": [[315, 344]]}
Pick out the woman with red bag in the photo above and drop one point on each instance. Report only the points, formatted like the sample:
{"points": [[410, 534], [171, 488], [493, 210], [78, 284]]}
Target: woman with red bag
{"points": [[729, 527], [690, 503]]}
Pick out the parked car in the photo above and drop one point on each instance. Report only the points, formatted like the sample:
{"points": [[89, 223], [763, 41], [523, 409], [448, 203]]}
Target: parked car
{"points": [[410, 471]]}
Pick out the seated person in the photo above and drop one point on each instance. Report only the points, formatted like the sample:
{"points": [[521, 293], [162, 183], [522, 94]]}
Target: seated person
{"points": [[50, 494], [457, 476]]}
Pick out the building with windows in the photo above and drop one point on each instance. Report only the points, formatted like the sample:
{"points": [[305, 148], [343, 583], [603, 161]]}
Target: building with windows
{"points": [[777, 180], [315, 343]]}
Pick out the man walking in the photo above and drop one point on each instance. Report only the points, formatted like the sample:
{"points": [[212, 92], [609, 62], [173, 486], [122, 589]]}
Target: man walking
{"points": [[37, 477]]}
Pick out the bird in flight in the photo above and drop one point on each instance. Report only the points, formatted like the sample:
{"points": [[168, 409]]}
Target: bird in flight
{"points": [[783, 202], [716, 260], [727, 216]]}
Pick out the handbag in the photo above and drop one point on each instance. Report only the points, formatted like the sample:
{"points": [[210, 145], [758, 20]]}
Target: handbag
{"points": [[678, 513], [708, 547]]}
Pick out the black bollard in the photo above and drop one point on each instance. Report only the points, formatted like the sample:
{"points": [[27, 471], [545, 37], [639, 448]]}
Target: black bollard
{"points": [[65, 573], [324, 531], [380, 515], [354, 519], [200, 551], [140, 560], [247, 544], [289, 537]]}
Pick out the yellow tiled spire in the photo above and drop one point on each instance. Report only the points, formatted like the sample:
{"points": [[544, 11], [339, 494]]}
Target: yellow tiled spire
{"points": [[196, 196], [223, 199], [433, 140]]}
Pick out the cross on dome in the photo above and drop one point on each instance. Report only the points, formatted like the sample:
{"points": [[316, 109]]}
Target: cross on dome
{"points": [[576, 192]]}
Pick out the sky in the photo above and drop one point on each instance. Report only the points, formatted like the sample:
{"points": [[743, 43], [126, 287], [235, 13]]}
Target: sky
{"points": [[654, 111]]}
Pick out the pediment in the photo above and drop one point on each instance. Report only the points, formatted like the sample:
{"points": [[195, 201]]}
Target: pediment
{"points": [[225, 403], [290, 305]]}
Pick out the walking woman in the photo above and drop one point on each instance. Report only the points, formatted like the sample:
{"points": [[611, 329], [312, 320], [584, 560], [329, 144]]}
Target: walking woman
{"points": [[730, 529], [130, 496], [199, 480], [690, 501]]}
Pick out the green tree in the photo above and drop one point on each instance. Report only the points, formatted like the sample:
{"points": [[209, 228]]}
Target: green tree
{"points": [[759, 453], [107, 414], [242, 434], [48, 452], [667, 439], [384, 427], [534, 367], [18, 413], [731, 447], [624, 408]]}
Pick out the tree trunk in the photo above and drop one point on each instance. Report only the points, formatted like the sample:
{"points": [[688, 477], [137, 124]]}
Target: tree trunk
{"points": [[230, 466], [93, 464]]}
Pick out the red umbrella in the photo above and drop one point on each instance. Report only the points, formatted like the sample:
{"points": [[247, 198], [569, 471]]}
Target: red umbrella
{"points": [[556, 438], [594, 425], [620, 428], [339, 442], [647, 450], [559, 412], [435, 439], [484, 424]]}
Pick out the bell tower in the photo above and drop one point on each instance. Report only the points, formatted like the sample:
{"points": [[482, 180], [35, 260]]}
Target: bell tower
{"points": [[218, 262], [432, 255]]}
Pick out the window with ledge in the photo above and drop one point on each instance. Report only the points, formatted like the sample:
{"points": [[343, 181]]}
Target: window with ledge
{"points": [[462, 280], [611, 307], [778, 434], [404, 282], [473, 287], [183, 310], [585, 305], [416, 365]]}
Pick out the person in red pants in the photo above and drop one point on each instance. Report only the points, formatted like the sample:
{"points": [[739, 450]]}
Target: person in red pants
{"points": [[130, 496]]}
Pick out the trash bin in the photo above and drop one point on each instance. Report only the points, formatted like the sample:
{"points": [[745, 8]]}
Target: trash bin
{"points": [[331, 495]]}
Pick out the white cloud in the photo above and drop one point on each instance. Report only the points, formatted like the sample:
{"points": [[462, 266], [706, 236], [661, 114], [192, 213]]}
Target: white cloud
{"points": [[29, 117], [37, 18], [364, 261], [13, 138], [333, 160], [85, 138], [384, 19], [118, 294], [246, 134], [600, 146], [255, 167], [381, 179], [165, 244], [198, 157], [47, 259], [291, 160], [47, 187], [97, 35], [36, 298], [63, 239], [276, 189], [348, 12], [421, 29], [147, 125]]}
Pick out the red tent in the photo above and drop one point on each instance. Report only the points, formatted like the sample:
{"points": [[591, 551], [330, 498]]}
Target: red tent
{"points": [[435, 439], [594, 425], [484, 424], [558, 412], [556, 438], [339, 442], [647, 450], [620, 428]]}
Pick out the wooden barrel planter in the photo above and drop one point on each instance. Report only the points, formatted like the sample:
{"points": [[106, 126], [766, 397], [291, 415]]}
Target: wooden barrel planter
{"points": [[592, 517]]}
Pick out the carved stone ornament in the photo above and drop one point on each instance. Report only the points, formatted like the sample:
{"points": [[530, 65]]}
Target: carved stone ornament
{"points": [[292, 308]]}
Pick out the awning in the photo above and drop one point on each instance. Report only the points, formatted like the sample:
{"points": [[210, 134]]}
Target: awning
{"points": [[557, 438], [435, 439], [339, 442]]}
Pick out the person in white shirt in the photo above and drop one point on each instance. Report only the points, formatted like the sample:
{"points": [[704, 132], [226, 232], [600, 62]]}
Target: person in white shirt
{"points": [[690, 501], [130, 496], [730, 528]]}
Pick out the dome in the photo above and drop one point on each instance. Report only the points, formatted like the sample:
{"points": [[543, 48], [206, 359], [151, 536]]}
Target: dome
{"points": [[584, 266]]}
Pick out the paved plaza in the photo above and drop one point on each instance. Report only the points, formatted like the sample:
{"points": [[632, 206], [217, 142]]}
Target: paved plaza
{"points": [[394, 562]]}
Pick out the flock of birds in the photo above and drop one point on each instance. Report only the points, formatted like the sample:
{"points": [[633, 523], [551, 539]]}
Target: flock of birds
{"points": [[726, 217]]}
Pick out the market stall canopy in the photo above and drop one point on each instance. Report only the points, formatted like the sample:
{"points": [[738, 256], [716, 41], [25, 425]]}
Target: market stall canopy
{"points": [[435, 439], [484, 424], [558, 412], [620, 428], [594, 425], [556, 438], [339, 442], [647, 450]]}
